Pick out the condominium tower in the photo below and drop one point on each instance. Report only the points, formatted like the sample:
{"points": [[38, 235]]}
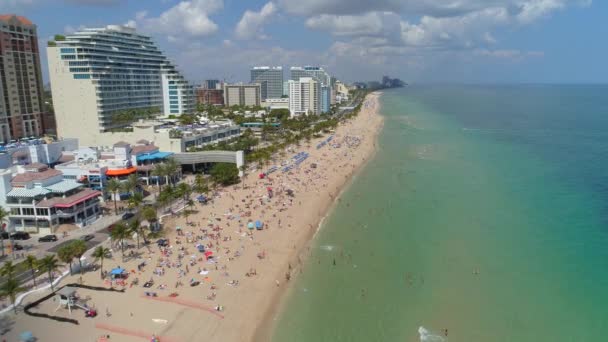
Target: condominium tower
{"points": [[20, 79], [270, 79], [304, 96], [107, 78], [319, 75]]}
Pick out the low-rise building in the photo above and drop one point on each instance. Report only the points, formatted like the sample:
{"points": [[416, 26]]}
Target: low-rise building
{"points": [[39, 199], [280, 103], [210, 96]]}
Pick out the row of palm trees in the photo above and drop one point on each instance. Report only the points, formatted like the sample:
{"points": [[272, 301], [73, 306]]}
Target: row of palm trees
{"points": [[11, 286]]}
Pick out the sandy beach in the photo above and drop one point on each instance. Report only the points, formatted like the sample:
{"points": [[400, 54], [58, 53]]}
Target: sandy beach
{"points": [[249, 270]]}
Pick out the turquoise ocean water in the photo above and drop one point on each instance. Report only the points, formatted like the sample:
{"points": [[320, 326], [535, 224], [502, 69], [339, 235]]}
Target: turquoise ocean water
{"points": [[485, 212]]}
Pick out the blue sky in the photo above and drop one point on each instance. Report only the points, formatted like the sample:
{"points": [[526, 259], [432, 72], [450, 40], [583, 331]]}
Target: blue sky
{"points": [[553, 41]]}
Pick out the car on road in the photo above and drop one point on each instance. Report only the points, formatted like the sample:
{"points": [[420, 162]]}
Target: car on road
{"points": [[48, 238], [20, 236], [4, 235], [127, 216], [87, 237], [17, 247]]}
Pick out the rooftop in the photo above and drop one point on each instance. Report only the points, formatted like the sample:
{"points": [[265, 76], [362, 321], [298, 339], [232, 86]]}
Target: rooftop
{"points": [[20, 19], [69, 201], [32, 176]]}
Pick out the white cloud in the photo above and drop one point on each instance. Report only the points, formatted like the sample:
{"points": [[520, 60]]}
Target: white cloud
{"points": [[187, 17], [251, 24], [371, 23]]}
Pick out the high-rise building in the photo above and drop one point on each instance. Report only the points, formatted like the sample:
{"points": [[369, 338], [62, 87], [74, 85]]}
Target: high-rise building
{"points": [[270, 79], [212, 84], [209, 96], [21, 106], [304, 96], [318, 74], [242, 94], [107, 78], [325, 98]]}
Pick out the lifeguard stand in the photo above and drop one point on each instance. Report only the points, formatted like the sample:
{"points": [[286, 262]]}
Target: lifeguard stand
{"points": [[66, 298]]}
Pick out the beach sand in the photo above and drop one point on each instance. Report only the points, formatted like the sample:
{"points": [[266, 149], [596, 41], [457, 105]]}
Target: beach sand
{"points": [[271, 253]]}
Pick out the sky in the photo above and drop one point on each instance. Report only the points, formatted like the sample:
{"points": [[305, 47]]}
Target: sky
{"points": [[419, 41]]}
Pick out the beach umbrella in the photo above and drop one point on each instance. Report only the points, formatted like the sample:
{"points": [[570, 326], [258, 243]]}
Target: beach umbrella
{"points": [[178, 228], [117, 271], [250, 225], [208, 254], [259, 224], [26, 336]]}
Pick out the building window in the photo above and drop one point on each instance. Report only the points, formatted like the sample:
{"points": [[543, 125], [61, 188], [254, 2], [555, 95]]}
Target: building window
{"points": [[68, 50], [82, 76]]}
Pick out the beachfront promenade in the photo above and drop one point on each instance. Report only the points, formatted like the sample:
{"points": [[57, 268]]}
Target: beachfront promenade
{"points": [[220, 277]]}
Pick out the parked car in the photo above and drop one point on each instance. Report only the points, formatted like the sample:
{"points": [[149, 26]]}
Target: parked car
{"points": [[20, 236], [17, 247], [127, 216], [5, 235], [48, 238], [87, 237]]}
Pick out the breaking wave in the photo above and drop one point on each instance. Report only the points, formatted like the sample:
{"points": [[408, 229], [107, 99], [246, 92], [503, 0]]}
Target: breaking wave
{"points": [[428, 336]]}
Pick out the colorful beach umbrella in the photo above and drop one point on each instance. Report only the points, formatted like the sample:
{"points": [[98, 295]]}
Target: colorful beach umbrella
{"points": [[259, 224], [250, 225]]}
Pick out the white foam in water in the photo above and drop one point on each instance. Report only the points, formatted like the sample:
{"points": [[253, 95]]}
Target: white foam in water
{"points": [[328, 248], [427, 336]]}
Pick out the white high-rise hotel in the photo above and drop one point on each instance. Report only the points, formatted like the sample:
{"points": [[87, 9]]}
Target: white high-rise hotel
{"points": [[105, 78], [304, 96]]}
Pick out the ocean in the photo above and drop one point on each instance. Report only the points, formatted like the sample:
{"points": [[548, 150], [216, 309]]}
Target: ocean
{"points": [[483, 217]]}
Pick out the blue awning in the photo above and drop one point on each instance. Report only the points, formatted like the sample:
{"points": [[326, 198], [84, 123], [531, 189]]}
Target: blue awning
{"points": [[155, 155]]}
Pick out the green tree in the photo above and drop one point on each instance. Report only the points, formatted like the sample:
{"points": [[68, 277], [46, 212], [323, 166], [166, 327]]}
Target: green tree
{"points": [[130, 185], [11, 288], [200, 184], [8, 269], [136, 200], [119, 234], [50, 264], [225, 174], [66, 254], [101, 253], [172, 167], [32, 264], [134, 227], [79, 247], [114, 186], [159, 172], [3, 216]]}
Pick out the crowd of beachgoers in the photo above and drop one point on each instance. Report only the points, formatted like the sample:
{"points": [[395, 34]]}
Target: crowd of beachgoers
{"points": [[218, 273]]}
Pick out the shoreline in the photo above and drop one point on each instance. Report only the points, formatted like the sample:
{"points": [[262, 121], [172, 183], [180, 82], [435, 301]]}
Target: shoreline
{"points": [[266, 328], [250, 306]]}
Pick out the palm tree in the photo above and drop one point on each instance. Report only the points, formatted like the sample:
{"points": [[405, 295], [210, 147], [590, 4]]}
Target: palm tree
{"points": [[50, 263], [114, 186], [119, 233], [243, 169], [135, 228], [3, 216], [8, 269], [66, 254], [100, 253], [201, 185], [32, 264], [79, 247], [136, 200], [171, 168], [130, 185], [159, 171], [10, 288]]}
